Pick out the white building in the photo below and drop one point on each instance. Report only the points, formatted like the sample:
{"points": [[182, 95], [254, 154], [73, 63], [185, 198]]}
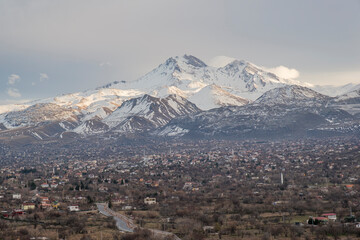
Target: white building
{"points": [[73, 208], [150, 201], [330, 216], [16, 196]]}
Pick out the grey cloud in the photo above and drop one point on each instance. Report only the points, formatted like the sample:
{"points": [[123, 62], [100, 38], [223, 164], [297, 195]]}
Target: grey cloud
{"points": [[43, 77], [13, 78], [13, 92], [72, 41]]}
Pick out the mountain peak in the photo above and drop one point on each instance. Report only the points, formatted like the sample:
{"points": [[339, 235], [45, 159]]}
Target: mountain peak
{"points": [[182, 63], [110, 85], [146, 97], [235, 63], [291, 94], [148, 112], [194, 61]]}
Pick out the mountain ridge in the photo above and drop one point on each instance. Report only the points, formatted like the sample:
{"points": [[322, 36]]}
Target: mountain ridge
{"points": [[176, 90]]}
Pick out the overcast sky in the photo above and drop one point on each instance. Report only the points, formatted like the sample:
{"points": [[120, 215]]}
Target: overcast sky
{"points": [[52, 47]]}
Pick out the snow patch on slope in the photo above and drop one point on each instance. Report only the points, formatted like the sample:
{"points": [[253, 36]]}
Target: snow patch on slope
{"points": [[148, 112], [213, 96], [172, 131], [12, 107]]}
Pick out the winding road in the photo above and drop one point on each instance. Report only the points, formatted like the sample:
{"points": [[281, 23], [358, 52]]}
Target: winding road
{"points": [[122, 222], [125, 224]]}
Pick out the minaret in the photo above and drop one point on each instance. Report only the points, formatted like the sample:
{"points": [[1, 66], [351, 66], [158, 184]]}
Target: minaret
{"points": [[282, 178]]}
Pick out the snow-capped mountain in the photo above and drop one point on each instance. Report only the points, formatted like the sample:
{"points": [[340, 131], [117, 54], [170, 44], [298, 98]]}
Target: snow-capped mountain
{"points": [[292, 94], [13, 107], [147, 113], [182, 96], [85, 102], [334, 91], [187, 75], [87, 105], [263, 121], [35, 114], [49, 121], [352, 97], [349, 102]]}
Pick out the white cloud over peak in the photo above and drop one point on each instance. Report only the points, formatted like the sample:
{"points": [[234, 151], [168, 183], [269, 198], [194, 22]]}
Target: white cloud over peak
{"points": [[13, 78], [284, 72], [13, 92]]}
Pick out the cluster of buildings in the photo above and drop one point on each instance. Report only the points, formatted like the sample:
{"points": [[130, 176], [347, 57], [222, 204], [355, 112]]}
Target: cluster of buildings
{"points": [[73, 180]]}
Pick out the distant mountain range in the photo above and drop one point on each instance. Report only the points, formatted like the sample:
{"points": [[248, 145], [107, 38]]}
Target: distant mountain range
{"points": [[184, 97]]}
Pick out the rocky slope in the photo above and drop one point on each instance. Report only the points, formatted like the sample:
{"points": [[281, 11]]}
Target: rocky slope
{"points": [[291, 111], [147, 112], [185, 96], [292, 94]]}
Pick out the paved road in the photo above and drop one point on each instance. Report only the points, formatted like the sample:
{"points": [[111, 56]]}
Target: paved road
{"points": [[125, 224], [122, 223]]}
